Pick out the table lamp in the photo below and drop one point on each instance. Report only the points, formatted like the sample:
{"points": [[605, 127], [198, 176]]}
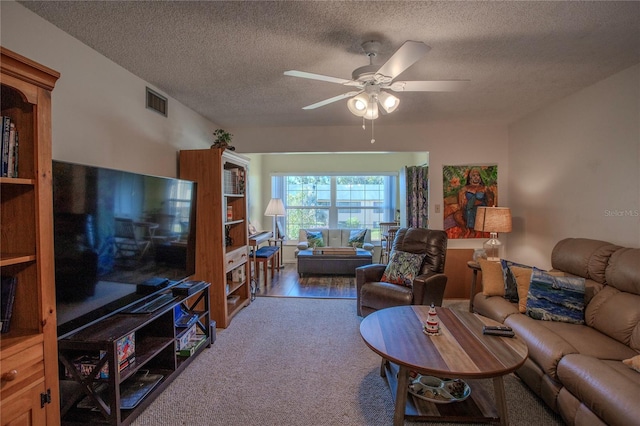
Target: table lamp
{"points": [[275, 208], [493, 220]]}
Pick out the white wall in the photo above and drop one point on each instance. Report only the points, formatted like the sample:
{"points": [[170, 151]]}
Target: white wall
{"points": [[98, 108], [576, 170]]}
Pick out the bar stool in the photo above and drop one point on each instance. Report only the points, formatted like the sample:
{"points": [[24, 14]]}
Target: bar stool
{"points": [[265, 256], [387, 234]]}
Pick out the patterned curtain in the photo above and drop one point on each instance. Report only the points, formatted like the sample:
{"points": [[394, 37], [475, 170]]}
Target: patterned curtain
{"points": [[417, 196]]}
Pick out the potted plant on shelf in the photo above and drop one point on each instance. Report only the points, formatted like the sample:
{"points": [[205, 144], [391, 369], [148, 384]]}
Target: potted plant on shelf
{"points": [[222, 140]]}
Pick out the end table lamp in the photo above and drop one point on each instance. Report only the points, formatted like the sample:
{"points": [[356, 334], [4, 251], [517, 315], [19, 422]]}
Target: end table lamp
{"points": [[275, 208], [493, 220]]}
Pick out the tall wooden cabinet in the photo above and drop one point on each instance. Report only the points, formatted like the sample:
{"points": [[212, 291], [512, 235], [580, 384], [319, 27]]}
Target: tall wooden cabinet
{"points": [[222, 247], [28, 350]]}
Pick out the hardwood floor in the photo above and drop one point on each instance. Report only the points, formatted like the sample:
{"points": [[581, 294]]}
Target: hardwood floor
{"points": [[287, 283]]}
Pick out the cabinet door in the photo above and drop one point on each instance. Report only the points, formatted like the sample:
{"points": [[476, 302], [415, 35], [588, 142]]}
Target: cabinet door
{"points": [[24, 408]]}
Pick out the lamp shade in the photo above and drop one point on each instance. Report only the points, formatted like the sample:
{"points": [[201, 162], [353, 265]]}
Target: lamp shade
{"points": [[275, 208], [388, 102], [493, 219], [358, 104]]}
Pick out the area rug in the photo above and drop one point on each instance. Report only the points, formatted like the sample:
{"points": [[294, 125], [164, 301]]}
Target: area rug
{"points": [[296, 361]]}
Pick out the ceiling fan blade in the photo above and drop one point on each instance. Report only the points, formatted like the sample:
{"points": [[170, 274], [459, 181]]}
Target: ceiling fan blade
{"points": [[331, 100], [428, 86], [408, 54], [311, 76]]}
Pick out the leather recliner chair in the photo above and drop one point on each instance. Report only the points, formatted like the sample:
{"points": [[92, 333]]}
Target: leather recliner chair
{"points": [[428, 287]]}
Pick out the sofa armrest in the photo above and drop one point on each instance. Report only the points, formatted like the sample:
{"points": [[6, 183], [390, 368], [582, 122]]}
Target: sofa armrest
{"points": [[303, 245], [429, 288], [367, 246]]}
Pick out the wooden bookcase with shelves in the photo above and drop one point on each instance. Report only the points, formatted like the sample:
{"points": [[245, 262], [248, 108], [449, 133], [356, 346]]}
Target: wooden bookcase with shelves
{"points": [[92, 394], [28, 348], [222, 246]]}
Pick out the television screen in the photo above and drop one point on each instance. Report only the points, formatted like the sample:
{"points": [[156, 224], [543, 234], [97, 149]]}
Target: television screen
{"points": [[114, 232]]}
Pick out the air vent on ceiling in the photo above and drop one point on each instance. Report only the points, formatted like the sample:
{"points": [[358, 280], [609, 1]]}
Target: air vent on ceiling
{"points": [[156, 102]]}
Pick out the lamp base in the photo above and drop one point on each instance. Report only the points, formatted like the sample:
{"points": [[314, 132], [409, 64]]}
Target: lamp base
{"points": [[492, 248]]}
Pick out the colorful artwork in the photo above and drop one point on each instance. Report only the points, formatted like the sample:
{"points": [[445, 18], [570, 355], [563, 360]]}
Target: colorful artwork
{"points": [[465, 188]]}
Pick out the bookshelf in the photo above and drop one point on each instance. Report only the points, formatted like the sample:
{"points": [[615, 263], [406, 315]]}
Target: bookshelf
{"points": [[28, 349], [222, 246]]}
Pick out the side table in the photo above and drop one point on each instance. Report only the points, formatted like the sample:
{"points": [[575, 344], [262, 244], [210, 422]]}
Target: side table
{"points": [[475, 266]]}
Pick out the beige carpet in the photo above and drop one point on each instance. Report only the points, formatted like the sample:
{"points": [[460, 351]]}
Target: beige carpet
{"points": [[295, 361]]}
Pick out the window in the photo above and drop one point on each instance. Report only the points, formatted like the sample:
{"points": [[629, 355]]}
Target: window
{"points": [[327, 201]]}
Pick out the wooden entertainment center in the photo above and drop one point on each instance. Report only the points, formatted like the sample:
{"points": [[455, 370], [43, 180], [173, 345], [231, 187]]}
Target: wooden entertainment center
{"points": [[141, 348]]}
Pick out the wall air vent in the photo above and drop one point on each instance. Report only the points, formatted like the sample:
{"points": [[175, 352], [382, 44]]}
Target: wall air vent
{"points": [[156, 102]]}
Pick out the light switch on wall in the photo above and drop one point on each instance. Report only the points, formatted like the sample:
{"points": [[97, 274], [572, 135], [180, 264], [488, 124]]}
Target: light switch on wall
{"points": [[437, 208]]}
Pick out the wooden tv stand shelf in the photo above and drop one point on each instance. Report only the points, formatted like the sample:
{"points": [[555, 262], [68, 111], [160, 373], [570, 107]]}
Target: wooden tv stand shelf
{"points": [[88, 358]]}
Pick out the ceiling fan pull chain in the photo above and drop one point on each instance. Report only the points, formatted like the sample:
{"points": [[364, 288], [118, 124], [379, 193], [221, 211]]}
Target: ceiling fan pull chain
{"points": [[363, 126], [372, 138]]}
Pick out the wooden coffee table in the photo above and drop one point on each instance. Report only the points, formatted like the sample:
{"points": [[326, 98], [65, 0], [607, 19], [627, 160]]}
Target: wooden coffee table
{"points": [[460, 351]]}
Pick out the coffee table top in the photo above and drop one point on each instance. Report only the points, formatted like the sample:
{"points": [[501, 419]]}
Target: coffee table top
{"points": [[460, 351]]}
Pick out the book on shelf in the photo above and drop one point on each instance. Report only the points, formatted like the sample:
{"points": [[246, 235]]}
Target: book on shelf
{"points": [[6, 127], [9, 149], [7, 297]]}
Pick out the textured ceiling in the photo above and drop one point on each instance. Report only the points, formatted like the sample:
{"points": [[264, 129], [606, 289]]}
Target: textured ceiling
{"points": [[225, 59]]}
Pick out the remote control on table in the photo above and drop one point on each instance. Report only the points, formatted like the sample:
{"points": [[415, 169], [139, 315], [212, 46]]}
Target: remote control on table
{"points": [[502, 333]]}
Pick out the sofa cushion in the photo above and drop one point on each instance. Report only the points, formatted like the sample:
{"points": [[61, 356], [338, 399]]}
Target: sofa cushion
{"points": [[623, 270], [553, 298], [546, 347], [616, 314], [315, 239], [492, 279], [356, 238], [510, 283], [496, 308], [523, 279], [589, 341], [582, 257], [402, 268], [607, 388]]}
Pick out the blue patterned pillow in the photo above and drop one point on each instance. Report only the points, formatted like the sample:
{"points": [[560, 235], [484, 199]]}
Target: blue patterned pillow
{"points": [[510, 284], [315, 239], [402, 268], [356, 237], [553, 298]]}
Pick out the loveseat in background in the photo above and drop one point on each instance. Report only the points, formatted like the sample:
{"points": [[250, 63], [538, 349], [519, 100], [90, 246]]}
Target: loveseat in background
{"points": [[333, 237], [577, 369]]}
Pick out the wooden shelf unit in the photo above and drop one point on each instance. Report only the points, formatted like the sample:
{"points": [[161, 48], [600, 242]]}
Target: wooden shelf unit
{"points": [[222, 245], [156, 340], [28, 351]]}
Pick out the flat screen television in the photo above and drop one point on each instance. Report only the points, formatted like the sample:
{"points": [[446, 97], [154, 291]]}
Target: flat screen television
{"points": [[114, 233]]}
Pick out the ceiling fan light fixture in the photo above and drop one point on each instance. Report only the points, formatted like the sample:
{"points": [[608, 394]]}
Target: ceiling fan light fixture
{"points": [[388, 102], [358, 104], [371, 113]]}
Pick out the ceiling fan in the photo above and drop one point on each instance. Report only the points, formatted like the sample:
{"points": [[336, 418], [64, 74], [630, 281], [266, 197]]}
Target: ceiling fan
{"points": [[372, 82]]}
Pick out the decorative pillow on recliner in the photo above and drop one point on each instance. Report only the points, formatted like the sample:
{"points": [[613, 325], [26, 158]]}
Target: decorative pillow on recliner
{"points": [[314, 238], [402, 268], [356, 237], [554, 298]]}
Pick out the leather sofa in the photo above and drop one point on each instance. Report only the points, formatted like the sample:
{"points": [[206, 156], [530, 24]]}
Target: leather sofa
{"points": [[577, 369], [428, 286]]}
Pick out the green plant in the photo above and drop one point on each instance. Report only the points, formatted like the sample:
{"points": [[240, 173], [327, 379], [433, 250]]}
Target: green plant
{"points": [[222, 136]]}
